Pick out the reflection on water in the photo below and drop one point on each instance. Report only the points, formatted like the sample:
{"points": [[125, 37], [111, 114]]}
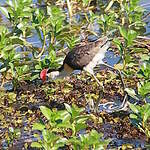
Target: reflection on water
{"points": [[146, 4]]}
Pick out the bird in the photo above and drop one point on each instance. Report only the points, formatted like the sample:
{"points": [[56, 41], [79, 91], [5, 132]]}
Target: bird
{"points": [[85, 57]]}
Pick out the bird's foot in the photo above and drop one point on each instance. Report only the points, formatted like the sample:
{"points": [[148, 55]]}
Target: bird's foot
{"points": [[111, 107]]}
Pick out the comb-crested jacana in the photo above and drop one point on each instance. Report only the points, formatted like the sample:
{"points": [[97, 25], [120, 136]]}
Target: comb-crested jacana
{"points": [[85, 56]]}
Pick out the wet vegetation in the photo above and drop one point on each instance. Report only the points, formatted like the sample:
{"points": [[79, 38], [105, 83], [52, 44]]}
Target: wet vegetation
{"points": [[67, 113]]}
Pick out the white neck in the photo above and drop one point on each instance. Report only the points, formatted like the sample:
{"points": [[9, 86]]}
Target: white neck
{"points": [[58, 75]]}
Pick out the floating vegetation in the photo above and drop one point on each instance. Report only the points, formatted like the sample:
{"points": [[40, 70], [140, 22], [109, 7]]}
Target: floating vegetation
{"points": [[67, 113]]}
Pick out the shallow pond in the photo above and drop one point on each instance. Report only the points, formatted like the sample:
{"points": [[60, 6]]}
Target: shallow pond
{"points": [[22, 113]]}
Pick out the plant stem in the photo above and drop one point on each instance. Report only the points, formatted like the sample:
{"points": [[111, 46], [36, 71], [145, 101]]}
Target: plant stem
{"points": [[109, 5], [44, 42], [70, 10], [123, 58]]}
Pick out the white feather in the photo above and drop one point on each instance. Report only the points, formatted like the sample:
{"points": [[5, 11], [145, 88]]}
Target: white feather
{"points": [[98, 58]]}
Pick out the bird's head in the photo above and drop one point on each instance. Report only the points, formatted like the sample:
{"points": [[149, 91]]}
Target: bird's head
{"points": [[48, 73]]}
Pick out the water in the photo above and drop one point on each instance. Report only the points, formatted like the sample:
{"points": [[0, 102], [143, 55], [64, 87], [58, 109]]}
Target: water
{"points": [[146, 4], [110, 59], [2, 1]]}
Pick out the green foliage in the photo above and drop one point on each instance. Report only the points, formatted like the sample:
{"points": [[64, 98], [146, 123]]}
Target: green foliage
{"points": [[19, 13], [127, 17], [145, 70], [143, 85], [107, 22], [89, 140], [52, 30], [60, 124], [7, 51], [57, 30], [144, 88], [13, 135], [129, 35], [141, 117], [144, 75]]}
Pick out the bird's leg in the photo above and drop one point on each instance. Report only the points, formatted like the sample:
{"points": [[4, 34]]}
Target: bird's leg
{"points": [[101, 85], [101, 92], [123, 84]]}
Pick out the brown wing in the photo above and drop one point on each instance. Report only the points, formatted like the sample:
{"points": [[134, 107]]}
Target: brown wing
{"points": [[81, 55]]}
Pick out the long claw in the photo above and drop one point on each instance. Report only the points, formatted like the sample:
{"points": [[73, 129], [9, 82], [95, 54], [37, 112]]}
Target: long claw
{"points": [[123, 105]]}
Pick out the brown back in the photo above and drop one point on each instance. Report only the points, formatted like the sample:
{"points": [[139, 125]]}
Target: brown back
{"points": [[82, 54]]}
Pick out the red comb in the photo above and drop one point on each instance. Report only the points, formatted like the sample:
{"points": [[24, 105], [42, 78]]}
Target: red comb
{"points": [[43, 74]]}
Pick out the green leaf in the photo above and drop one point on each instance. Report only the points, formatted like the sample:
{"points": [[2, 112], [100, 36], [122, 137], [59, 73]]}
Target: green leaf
{"points": [[3, 69], [85, 2], [146, 115], [131, 36], [46, 112], [118, 43], [82, 119], [50, 137], [144, 57], [131, 92], [133, 116], [74, 140], [36, 76], [65, 115], [36, 144], [12, 69], [17, 56], [144, 89], [66, 125], [123, 32], [68, 107], [61, 143], [133, 108], [38, 126], [80, 126]]}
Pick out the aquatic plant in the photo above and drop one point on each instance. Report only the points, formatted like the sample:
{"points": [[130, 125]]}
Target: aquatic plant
{"points": [[63, 129], [57, 27]]}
